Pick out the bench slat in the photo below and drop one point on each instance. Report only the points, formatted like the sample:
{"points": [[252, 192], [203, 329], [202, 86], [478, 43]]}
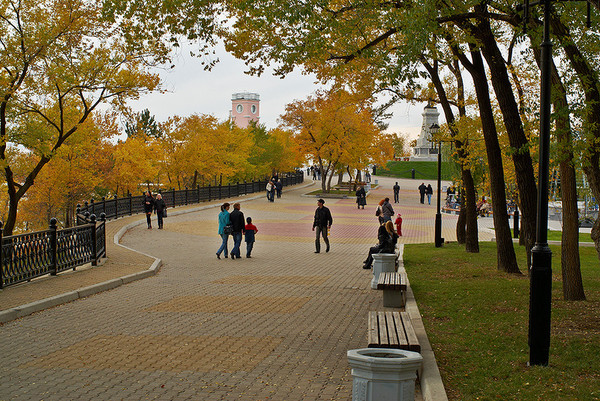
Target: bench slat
{"points": [[398, 326], [411, 335], [391, 329], [373, 336], [383, 333]]}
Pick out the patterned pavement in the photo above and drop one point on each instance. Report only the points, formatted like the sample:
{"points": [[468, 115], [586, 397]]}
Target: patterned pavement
{"points": [[273, 327]]}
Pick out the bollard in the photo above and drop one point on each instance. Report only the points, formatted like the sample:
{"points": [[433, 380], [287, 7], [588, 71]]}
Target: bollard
{"points": [[382, 262], [383, 374]]}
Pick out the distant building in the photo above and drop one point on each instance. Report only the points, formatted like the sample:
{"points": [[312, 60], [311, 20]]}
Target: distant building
{"points": [[425, 149], [245, 107]]}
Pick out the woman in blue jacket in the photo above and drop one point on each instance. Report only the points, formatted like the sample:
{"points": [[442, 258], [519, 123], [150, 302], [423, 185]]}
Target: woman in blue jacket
{"points": [[224, 233]]}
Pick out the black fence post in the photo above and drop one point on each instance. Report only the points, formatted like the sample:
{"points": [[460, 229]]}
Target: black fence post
{"points": [[186, 195], [94, 242], [103, 220], [198, 190], [103, 204], [173, 192], [53, 247], [220, 190], [1, 258], [116, 207], [93, 206]]}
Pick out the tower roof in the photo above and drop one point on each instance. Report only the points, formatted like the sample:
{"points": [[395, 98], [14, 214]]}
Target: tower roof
{"points": [[245, 96]]}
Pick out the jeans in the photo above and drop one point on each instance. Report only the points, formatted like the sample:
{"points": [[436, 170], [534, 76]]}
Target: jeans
{"points": [[429, 198], [396, 197], [321, 231], [159, 215], [223, 247], [237, 241], [249, 246]]}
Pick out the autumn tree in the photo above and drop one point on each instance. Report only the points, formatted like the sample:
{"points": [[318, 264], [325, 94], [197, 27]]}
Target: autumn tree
{"points": [[61, 60], [335, 129]]}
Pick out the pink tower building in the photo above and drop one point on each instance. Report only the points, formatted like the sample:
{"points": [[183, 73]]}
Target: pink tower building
{"points": [[245, 107]]}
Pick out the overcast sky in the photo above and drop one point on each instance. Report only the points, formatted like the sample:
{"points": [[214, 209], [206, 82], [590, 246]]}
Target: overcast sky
{"points": [[191, 90]]}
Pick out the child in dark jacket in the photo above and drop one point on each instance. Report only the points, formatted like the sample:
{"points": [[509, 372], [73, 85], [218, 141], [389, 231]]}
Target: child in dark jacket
{"points": [[250, 231]]}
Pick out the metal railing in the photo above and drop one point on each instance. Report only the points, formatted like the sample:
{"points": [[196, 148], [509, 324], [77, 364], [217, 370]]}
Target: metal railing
{"points": [[129, 205], [24, 257]]}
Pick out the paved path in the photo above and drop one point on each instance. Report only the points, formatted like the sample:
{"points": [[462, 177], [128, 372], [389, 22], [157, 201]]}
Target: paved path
{"points": [[274, 327]]}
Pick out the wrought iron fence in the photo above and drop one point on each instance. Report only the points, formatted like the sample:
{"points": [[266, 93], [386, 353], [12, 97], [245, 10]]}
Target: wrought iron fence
{"points": [[125, 206], [26, 256]]}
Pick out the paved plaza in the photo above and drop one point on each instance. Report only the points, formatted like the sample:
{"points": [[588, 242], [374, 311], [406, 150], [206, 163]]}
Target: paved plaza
{"points": [[273, 327]]}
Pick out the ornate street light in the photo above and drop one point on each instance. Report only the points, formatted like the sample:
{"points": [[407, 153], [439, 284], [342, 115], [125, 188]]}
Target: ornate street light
{"points": [[439, 241]]}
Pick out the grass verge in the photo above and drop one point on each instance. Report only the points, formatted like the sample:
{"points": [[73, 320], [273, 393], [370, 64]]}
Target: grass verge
{"points": [[477, 321], [557, 236], [423, 170]]}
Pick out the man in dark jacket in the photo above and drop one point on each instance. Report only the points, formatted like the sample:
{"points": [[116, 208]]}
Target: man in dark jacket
{"points": [[237, 222], [396, 193], [322, 223], [422, 191], [387, 211]]}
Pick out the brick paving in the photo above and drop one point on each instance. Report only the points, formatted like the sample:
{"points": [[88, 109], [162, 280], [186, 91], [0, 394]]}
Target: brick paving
{"points": [[273, 327]]}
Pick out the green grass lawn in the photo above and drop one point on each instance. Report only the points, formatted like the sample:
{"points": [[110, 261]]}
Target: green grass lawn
{"points": [[423, 170], [477, 320], [557, 236]]}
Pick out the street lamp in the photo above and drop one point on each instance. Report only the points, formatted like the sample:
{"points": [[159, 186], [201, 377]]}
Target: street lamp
{"points": [[439, 241]]}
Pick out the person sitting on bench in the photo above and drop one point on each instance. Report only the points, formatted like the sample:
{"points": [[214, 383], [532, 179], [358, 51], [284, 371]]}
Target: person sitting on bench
{"points": [[387, 242]]}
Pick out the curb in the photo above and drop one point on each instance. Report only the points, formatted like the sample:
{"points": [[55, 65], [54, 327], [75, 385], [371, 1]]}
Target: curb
{"points": [[17, 312], [432, 386]]}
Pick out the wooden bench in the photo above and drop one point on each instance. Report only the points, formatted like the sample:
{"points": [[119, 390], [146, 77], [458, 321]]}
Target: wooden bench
{"points": [[392, 330], [393, 285]]}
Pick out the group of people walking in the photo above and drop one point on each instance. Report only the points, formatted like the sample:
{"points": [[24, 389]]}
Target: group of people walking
{"points": [[233, 224], [425, 190], [156, 205], [274, 186]]}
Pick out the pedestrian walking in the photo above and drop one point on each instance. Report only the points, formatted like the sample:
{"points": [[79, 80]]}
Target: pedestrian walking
{"points": [[387, 211], [279, 188], [379, 211], [224, 229], [422, 192], [398, 224], [361, 197], [396, 193], [160, 208], [322, 223], [148, 207], [250, 231], [237, 229], [429, 193], [270, 188]]}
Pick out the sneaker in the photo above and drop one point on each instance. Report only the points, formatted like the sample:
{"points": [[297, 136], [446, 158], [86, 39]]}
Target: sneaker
{"points": [[219, 256]]}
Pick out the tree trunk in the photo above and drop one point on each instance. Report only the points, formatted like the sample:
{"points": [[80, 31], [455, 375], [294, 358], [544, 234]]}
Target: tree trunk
{"points": [[512, 121], [461, 223], [468, 215], [470, 202], [569, 256], [507, 260]]}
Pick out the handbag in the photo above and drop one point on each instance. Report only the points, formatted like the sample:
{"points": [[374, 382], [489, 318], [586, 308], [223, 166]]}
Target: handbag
{"points": [[378, 212], [164, 213], [228, 229]]}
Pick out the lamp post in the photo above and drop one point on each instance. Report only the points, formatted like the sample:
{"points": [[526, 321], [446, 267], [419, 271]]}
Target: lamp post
{"points": [[439, 241], [540, 284]]}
